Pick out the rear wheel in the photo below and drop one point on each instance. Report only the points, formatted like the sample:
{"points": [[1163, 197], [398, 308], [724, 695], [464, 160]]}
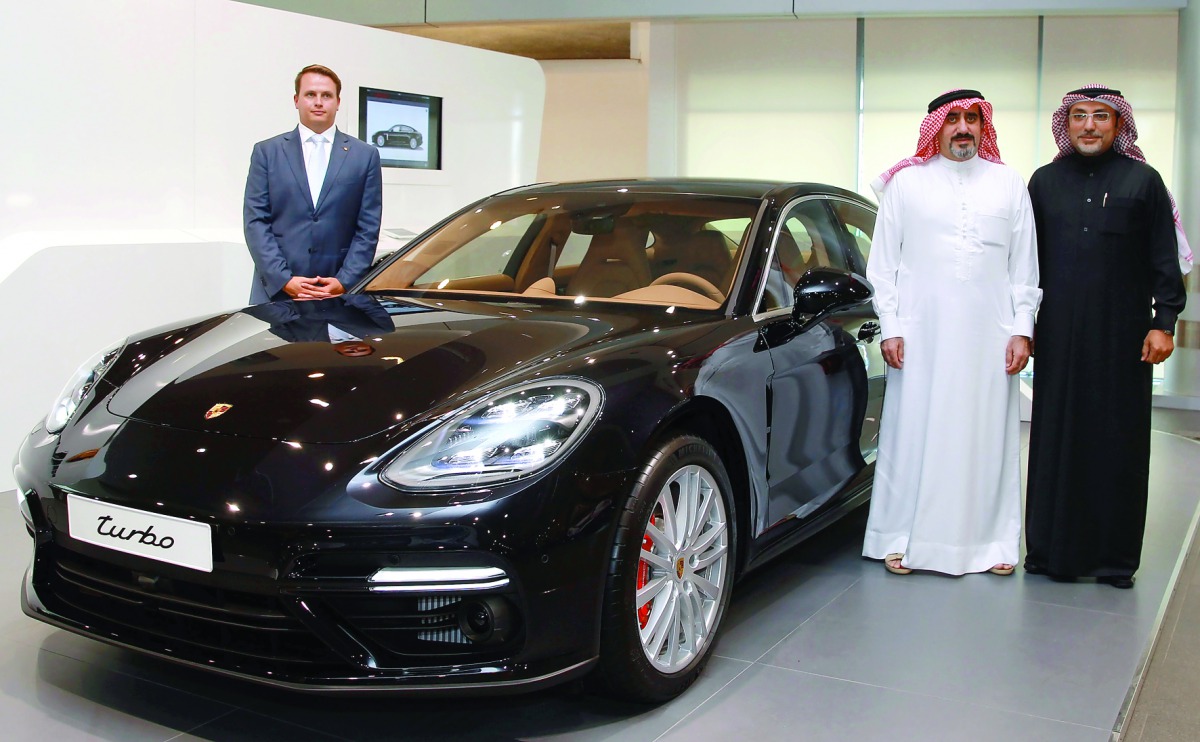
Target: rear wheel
{"points": [[413, 143], [670, 576]]}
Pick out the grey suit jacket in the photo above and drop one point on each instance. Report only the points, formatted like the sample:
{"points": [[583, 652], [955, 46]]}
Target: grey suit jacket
{"points": [[288, 236]]}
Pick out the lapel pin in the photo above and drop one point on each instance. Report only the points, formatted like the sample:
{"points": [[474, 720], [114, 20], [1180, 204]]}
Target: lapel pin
{"points": [[345, 149]]}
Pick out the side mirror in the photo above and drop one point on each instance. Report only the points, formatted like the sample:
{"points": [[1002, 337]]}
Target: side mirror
{"points": [[823, 291]]}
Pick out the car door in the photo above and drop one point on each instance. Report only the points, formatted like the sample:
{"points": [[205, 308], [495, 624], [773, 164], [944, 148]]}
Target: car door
{"points": [[818, 388], [856, 225]]}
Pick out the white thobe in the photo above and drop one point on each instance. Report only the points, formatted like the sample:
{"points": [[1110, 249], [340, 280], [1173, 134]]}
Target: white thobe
{"points": [[954, 266]]}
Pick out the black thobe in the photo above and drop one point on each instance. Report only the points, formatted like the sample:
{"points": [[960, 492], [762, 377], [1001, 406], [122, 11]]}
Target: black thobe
{"points": [[1109, 273]]}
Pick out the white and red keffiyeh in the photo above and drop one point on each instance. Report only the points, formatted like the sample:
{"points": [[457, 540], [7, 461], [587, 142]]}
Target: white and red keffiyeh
{"points": [[1124, 144], [927, 140]]}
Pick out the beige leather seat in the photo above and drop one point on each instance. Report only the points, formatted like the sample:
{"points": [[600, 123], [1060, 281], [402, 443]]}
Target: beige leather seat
{"points": [[707, 255], [541, 287], [614, 263]]}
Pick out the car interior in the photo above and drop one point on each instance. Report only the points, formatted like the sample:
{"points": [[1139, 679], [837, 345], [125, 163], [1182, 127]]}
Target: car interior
{"points": [[674, 253]]}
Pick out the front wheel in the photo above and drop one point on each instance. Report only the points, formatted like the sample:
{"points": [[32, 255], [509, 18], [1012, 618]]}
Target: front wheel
{"points": [[670, 576]]}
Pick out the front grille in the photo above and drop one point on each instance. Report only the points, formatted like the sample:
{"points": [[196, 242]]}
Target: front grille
{"points": [[438, 629], [245, 627], [413, 626], [324, 627]]}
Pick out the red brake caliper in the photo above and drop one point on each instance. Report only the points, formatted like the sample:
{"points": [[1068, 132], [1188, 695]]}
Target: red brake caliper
{"points": [[643, 576]]}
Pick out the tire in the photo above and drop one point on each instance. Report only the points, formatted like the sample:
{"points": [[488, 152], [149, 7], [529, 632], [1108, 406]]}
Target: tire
{"points": [[381, 141], [413, 144], [653, 647]]}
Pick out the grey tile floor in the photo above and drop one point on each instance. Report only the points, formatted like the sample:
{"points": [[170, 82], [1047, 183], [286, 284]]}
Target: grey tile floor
{"points": [[819, 645], [1166, 709]]}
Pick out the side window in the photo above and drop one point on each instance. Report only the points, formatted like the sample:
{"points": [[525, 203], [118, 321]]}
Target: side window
{"points": [[860, 224], [807, 238], [777, 294], [486, 255]]}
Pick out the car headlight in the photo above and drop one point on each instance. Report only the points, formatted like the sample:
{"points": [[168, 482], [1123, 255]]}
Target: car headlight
{"points": [[92, 370], [507, 435]]}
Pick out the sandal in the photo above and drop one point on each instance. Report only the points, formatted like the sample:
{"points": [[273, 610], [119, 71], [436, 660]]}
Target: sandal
{"points": [[1002, 569], [893, 564]]}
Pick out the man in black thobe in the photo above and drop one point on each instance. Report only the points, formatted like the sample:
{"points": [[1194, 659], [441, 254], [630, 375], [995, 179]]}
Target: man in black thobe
{"points": [[1112, 287]]}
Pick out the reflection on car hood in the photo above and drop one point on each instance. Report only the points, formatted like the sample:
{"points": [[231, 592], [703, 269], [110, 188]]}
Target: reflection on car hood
{"points": [[272, 371]]}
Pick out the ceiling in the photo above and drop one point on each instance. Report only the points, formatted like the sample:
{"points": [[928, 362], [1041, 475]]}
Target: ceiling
{"points": [[589, 29], [553, 40]]}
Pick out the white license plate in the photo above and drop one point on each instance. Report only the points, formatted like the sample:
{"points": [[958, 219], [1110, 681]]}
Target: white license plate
{"points": [[159, 537]]}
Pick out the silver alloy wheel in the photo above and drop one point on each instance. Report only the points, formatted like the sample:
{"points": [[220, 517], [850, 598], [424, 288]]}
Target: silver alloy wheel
{"points": [[413, 144], [380, 140], [683, 571]]}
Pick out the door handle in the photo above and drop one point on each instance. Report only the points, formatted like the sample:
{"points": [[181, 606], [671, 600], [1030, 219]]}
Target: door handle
{"points": [[868, 331]]}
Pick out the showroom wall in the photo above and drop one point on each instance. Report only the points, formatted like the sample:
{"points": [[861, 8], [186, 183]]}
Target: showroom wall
{"points": [[127, 138], [597, 112], [141, 113], [780, 99], [767, 99]]}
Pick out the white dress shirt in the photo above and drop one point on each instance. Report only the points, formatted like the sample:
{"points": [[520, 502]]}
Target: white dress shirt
{"points": [[306, 135]]}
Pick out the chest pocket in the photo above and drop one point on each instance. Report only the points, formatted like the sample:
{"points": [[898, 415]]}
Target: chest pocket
{"points": [[1120, 216], [994, 228]]}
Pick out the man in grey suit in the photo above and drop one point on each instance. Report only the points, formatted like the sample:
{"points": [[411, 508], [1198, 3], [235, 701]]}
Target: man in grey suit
{"points": [[314, 198]]}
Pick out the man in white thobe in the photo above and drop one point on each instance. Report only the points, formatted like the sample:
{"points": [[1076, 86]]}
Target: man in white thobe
{"points": [[954, 266]]}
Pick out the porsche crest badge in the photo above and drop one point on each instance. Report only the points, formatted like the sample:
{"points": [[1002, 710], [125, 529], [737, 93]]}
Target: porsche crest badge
{"points": [[217, 410]]}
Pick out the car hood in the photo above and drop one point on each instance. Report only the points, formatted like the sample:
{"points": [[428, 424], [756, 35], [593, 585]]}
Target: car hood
{"points": [[274, 370]]}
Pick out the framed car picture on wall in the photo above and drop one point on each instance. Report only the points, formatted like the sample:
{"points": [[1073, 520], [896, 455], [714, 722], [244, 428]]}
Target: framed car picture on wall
{"points": [[405, 127]]}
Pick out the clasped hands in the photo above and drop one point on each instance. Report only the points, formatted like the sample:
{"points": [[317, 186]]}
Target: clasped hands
{"points": [[303, 288]]}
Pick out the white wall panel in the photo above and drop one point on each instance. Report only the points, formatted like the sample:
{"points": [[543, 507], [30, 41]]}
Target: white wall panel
{"points": [[960, 8], [367, 12], [770, 100], [100, 127], [141, 113], [468, 11], [598, 111], [474, 11]]}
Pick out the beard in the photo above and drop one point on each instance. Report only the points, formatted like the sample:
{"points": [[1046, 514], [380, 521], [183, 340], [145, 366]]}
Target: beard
{"points": [[963, 149], [1093, 148]]}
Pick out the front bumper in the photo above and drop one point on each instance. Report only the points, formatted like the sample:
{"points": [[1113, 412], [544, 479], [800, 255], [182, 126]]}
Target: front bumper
{"points": [[320, 632], [473, 679], [294, 605]]}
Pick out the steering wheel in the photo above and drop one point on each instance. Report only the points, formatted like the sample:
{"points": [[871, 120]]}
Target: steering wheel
{"points": [[692, 282]]}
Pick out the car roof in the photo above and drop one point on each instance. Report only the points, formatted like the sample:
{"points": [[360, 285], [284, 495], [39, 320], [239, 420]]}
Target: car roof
{"points": [[754, 189]]}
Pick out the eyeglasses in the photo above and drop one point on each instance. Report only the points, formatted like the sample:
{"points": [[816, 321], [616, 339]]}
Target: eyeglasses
{"points": [[1100, 117]]}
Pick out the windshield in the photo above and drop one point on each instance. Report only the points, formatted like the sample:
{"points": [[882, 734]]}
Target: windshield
{"points": [[652, 248]]}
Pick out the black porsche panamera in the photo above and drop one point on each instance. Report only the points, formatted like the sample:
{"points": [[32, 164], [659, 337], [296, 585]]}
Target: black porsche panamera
{"points": [[400, 135], [539, 442]]}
